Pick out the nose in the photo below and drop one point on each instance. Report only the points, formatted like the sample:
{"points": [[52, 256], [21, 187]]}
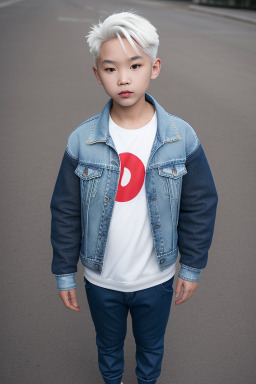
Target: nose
{"points": [[124, 78]]}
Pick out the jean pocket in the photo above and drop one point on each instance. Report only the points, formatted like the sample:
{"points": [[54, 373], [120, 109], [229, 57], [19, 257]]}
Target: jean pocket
{"points": [[167, 286]]}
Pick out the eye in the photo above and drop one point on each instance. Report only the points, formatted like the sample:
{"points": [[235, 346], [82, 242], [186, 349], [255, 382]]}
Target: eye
{"points": [[109, 69], [135, 66]]}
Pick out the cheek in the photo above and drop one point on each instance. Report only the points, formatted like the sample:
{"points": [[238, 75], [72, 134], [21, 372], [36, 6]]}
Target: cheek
{"points": [[107, 81], [144, 78], [108, 86]]}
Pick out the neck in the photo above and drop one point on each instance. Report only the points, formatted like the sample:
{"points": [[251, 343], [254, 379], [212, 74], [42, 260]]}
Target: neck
{"points": [[133, 117]]}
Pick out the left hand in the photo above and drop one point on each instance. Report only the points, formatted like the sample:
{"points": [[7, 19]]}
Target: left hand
{"points": [[189, 288]]}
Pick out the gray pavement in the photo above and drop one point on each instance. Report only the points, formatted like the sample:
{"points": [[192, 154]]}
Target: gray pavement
{"points": [[245, 15], [47, 89]]}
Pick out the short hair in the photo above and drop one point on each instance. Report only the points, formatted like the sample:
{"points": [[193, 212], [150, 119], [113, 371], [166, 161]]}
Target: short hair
{"points": [[136, 29]]}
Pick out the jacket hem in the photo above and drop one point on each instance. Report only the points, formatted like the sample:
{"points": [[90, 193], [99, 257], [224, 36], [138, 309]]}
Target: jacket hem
{"points": [[66, 281], [189, 273]]}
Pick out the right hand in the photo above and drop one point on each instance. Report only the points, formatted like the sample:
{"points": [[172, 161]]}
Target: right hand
{"points": [[69, 299]]}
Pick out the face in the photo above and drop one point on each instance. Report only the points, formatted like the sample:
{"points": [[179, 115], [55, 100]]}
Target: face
{"points": [[125, 78]]}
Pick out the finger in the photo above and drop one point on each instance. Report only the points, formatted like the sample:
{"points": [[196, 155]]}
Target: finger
{"points": [[74, 301], [66, 299], [185, 296], [178, 287], [72, 305]]}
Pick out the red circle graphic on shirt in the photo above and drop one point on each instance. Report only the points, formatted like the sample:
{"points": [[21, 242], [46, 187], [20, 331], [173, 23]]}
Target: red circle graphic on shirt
{"points": [[137, 169]]}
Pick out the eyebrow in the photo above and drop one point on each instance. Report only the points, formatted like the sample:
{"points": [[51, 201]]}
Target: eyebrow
{"points": [[130, 58]]}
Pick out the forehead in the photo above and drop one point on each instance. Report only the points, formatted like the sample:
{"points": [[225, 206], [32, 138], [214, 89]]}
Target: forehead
{"points": [[112, 50]]}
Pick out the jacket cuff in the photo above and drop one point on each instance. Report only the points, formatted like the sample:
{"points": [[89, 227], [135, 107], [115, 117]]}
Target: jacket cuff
{"points": [[66, 282], [189, 273]]}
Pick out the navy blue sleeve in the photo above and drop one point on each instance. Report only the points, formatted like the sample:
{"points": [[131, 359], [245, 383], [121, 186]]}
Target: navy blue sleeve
{"points": [[66, 229], [197, 214]]}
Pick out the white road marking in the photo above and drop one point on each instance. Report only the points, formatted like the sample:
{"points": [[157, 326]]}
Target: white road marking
{"points": [[75, 20], [10, 2]]}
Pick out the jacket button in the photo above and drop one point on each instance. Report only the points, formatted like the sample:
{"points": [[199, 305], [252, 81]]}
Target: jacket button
{"points": [[96, 266], [157, 226], [162, 261], [101, 234], [106, 198], [152, 197]]}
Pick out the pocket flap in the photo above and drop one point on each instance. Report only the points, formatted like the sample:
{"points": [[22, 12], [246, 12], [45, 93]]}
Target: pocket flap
{"points": [[173, 170], [87, 172]]}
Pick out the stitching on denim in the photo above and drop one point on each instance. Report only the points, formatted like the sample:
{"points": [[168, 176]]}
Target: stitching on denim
{"points": [[91, 132], [157, 217], [66, 274], [98, 165], [167, 253], [101, 245], [97, 141], [174, 126], [186, 278], [169, 162], [88, 258], [190, 268]]}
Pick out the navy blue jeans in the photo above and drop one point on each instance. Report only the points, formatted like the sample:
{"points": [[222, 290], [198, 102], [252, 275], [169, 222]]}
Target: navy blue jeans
{"points": [[150, 310]]}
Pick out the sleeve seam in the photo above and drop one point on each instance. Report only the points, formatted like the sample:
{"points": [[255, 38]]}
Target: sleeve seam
{"points": [[67, 288], [187, 278], [65, 274], [190, 268], [70, 154], [194, 150]]}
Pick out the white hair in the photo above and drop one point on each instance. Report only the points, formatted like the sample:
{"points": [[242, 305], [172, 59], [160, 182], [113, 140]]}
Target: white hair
{"points": [[136, 29]]}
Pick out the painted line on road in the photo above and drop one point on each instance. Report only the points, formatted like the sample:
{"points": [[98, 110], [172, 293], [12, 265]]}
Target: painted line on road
{"points": [[10, 2], [75, 20]]}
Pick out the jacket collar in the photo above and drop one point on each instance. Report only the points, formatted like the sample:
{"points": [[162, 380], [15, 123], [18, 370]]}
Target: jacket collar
{"points": [[166, 129]]}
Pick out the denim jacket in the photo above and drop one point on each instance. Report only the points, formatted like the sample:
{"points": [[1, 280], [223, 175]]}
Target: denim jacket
{"points": [[180, 193]]}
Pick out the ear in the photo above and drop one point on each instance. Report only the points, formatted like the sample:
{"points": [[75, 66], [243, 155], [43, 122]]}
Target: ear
{"points": [[156, 67], [96, 73]]}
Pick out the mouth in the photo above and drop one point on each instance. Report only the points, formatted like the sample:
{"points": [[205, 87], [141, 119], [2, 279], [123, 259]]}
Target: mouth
{"points": [[125, 93]]}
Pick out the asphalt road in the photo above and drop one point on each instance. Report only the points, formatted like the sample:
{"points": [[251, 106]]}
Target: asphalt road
{"points": [[47, 89]]}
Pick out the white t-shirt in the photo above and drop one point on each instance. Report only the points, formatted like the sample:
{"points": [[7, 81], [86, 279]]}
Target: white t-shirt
{"points": [[130, 262]]}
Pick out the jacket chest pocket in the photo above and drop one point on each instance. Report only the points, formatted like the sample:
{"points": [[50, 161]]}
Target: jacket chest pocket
{"points": [[89, 180], [171, 177]]}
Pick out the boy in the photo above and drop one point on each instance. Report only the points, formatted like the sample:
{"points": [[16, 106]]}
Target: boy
{"points": [[134, 186]]}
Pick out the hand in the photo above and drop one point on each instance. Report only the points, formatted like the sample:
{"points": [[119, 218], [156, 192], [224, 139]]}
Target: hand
{"points": [[69, 299], [189, 288]]}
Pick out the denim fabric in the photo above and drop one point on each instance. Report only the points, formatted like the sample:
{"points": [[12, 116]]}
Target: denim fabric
{"points": [[180, 192], [149, 309]]}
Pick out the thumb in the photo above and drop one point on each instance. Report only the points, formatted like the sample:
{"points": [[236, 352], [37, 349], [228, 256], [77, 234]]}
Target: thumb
{"points": [[178, 287], [74, 301]]}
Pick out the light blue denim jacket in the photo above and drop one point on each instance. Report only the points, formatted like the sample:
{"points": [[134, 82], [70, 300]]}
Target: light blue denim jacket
{"points": [[180, 193]]}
